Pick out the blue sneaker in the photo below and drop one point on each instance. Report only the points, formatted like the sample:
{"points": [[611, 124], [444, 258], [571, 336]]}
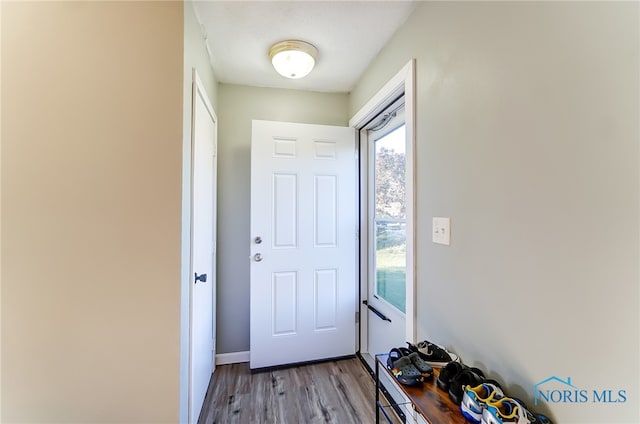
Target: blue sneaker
{"points": [[511, 411], [475, 400]]}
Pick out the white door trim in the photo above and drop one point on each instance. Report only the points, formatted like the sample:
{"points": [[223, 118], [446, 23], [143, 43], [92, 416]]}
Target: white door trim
{"points": [[402, 82], [198, 90]]}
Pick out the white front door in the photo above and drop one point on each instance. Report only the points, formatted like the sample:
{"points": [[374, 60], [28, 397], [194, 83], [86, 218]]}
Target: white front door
{"points": [[304, 243], [203, 249]]}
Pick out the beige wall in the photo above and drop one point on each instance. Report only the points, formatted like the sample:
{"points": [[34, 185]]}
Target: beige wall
{"points": [[527, 137], [238, 106], [91, 218]]}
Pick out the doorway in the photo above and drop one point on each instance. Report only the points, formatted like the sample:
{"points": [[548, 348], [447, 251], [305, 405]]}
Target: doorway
{"points": [[386, 238], [203, 248], [387, 242]]}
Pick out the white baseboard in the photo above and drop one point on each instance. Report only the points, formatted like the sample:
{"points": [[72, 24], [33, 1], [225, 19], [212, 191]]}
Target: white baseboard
{"points": [[232, 358]]}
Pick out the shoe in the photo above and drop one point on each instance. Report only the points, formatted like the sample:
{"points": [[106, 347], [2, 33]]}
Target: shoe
{"points": [[467, 377], [424, 368], [475, 400], [511, 411], [432, 354], [542, 419], [403, 369], [447, 373]]}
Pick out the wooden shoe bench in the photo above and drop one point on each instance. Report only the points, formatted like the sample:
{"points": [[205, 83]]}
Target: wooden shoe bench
{"points": [[429, 404]]}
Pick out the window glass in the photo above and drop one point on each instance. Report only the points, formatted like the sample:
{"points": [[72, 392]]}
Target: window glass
{"points": [[390, 218]]}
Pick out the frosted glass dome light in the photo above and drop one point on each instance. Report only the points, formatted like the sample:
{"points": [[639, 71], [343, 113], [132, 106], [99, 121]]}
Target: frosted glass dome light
{"points": [[293, 58]]}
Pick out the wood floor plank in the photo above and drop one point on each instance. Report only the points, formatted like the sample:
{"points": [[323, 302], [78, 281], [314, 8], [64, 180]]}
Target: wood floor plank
{"points": [[336, 392]]}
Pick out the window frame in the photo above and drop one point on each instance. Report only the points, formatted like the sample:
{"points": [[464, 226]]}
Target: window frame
{"points": [[394, 123]]}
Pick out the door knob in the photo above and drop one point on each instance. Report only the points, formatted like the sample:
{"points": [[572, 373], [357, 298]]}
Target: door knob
{"points": [[201, 277], [257, 257], [258, 240]]}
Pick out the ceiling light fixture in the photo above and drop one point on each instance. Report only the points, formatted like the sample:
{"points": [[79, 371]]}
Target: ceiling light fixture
{"points": [[293, 58]]}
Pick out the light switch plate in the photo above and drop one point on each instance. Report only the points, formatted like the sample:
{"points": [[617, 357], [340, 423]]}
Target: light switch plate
{"points": [[442, 230]]}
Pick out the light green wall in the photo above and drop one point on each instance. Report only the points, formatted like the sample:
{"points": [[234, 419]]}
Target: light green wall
{"points": [[195, 56], [91, 218], [239, 105], [527, 137]]}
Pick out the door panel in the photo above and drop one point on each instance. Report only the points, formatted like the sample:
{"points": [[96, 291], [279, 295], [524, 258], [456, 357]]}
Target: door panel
{"points": [[285, 213], [303, 247], [326, 299], [325, 210], [284, 310]]}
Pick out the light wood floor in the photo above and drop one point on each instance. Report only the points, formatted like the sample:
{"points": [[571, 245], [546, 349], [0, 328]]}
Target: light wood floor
{"points": [[338, 392]]}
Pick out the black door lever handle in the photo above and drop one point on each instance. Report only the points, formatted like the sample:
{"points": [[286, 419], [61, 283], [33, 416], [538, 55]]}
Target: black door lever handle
{"points": [[375, 311], [201, 277]]}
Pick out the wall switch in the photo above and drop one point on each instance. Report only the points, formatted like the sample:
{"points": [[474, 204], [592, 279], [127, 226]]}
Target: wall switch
{"points": [[442, 230]]}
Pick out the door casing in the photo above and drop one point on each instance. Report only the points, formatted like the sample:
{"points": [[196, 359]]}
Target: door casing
{"points": [[202, 299], [402, 83]]}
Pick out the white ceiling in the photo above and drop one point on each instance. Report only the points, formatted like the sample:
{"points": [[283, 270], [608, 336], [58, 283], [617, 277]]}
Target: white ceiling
{"points": [[348, 35]]}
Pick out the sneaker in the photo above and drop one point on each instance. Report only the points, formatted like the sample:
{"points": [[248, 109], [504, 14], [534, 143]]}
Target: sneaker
{"points": [[432, 354], [467, 377], [510, 411], [475, 400], [447, 374]]}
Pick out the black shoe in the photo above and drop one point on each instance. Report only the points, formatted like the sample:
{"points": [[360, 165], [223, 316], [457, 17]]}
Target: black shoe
{"points": [[447, 373], [467, 377], [433, 354]]}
